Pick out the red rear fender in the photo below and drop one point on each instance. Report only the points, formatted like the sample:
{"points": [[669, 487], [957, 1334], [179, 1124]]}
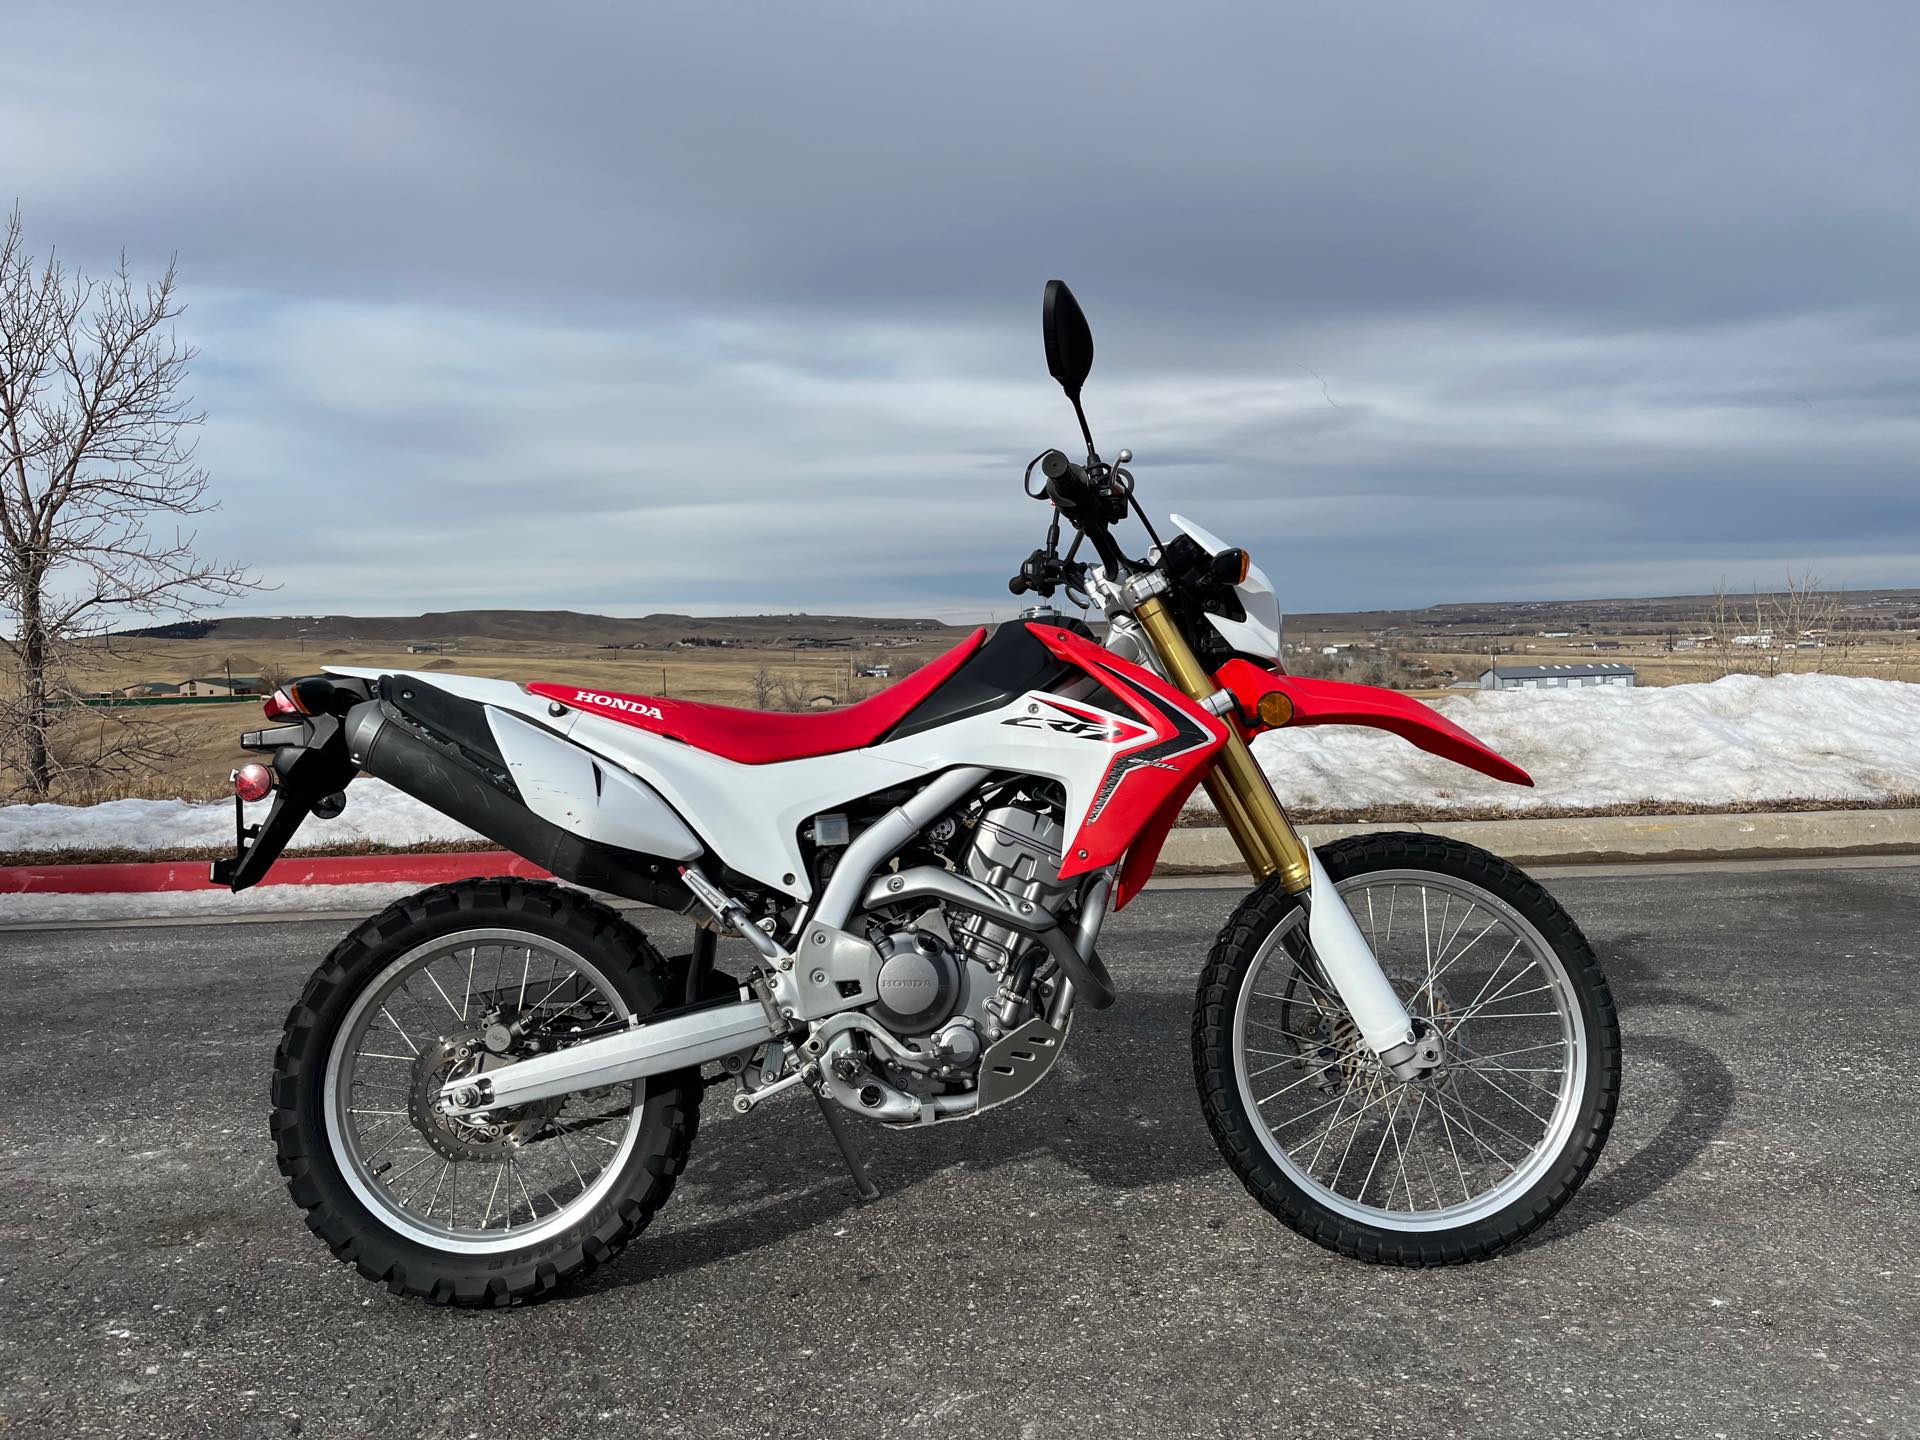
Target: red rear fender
{"points": [[1335, 702]]}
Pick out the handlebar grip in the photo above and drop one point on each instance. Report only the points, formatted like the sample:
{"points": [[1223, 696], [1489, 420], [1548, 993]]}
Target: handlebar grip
{"points": [[1018, 585], [1067, 483]]}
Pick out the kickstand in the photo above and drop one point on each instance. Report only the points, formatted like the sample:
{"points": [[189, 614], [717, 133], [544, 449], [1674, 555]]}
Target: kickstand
{"points": [[862, 1182]]}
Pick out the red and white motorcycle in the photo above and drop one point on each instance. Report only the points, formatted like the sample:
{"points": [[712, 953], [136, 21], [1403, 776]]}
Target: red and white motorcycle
{"points": [[1403, 1045]]}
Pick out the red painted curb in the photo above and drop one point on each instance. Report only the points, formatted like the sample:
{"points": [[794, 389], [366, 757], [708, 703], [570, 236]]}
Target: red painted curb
{"points": [[154, 876]]}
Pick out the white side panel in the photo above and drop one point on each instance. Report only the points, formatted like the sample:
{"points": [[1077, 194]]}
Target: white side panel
{"points": [[568, 786], [750, 815]]}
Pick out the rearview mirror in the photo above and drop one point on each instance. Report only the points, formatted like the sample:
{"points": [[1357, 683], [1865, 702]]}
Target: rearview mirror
{"points": [[1069, 341]]}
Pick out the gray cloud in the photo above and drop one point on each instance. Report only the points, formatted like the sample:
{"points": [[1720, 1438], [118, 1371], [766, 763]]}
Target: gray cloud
{"points": [[720, 306]]}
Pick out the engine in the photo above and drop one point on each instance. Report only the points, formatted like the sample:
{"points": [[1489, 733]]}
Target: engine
{"points": [[955, 983], [1016, 850]]}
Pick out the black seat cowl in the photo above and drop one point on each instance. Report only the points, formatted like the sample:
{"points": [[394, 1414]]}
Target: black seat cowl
{"points": [[450, 718]]}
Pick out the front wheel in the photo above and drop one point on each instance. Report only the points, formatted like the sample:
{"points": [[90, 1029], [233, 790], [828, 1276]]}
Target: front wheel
{"points": [[1457, 1165]]}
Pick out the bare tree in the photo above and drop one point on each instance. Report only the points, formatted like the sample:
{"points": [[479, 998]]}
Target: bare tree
{"points": [[1803, 627], [764, 686], [96, 458]]}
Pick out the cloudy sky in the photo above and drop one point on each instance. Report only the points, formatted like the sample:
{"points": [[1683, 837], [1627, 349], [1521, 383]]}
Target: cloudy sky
{"points": [[726, 306]]}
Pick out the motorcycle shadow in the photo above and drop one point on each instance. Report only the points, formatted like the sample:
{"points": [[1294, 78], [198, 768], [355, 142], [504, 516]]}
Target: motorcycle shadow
{"points": [[1120, 1111], [1698, 1100]]}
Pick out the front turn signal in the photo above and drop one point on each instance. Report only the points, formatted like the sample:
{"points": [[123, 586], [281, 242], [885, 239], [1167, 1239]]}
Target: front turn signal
{"points": [[1231, 566], [1275, 709]]}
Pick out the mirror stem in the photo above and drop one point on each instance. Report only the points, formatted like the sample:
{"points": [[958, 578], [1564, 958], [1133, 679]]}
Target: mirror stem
{"points": [[1085, 432]]}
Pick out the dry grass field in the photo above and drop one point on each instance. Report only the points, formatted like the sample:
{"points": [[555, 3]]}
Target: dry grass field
{"points": [[1876, 634], [205, 734]]}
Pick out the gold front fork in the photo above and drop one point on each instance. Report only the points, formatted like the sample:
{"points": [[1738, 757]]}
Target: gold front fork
{"points": [[1246, 802]]}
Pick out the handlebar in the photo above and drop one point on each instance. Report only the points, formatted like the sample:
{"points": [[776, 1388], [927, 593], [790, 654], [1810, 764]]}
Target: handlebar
{"points": [[1068, 484], [1090, 505]]}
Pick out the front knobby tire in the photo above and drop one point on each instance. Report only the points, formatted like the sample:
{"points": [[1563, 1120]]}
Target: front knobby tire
{"points": [[400, 999], [1439, 1171]]}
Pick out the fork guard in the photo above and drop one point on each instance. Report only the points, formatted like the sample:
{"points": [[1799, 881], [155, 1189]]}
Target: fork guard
{"points": [[1337, 702]]}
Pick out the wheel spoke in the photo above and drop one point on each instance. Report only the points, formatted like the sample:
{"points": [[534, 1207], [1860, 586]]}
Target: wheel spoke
{"points": [[408, 1168], [1446, 1128], [1367, 1144]]}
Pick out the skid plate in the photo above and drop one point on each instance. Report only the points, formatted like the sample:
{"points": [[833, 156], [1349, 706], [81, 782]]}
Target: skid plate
{"points": [[1018, 1061]]}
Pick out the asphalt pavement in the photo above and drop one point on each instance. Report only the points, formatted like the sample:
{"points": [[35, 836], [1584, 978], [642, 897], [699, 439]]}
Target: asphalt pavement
{"points": [[1744, 1262]]}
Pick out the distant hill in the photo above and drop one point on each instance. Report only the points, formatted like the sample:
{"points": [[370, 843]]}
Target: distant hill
{"points": [[1888, 608], [513, 629], [562, 627]]}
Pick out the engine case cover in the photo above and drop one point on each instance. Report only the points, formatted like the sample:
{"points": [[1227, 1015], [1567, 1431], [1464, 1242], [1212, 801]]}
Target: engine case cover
{"points": [[919, 982]]}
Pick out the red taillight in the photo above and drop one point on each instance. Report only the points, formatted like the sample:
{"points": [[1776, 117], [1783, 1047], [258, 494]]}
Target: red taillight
{"points": [[253, 782], [280, 706]]}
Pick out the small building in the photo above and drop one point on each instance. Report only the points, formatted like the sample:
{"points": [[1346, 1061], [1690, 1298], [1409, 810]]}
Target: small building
{"points": [[1555, 677], [216, 687], [150, 688], [882, 671]]}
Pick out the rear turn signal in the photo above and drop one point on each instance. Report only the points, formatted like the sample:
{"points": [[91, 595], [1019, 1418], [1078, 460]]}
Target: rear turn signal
{"points": [[1275, 709], [279, 706], [253, 782]]}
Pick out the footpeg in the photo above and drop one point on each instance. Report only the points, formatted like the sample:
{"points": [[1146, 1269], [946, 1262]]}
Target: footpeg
{"points": [[747, 1099]]}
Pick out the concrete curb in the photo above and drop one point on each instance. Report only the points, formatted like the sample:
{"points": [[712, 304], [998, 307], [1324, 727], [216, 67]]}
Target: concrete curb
{"points": [[162, 876], [1596, 839]]}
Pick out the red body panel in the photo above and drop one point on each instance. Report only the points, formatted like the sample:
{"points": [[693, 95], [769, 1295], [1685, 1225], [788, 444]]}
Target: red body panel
{"points": [[758, 737], [1152, 772], [1335, 702], [1144, 853]]}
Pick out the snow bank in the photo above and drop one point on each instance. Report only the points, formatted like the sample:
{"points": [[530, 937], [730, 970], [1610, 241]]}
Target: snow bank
{"points": [[1794, 737], [376, 813], [1741, 739], [355, 900]]}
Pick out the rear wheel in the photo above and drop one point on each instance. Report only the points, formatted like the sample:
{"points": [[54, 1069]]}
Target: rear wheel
{"points": [[447, 983], [1452, 1167]]}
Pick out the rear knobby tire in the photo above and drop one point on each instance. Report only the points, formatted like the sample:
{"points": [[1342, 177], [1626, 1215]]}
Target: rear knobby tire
{"points": [[374, 1244], [1357, 1225]]}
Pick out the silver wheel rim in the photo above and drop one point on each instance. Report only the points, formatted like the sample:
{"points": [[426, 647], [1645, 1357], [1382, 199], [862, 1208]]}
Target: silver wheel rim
{"points": [[558, 1161], [1425, 1155]]}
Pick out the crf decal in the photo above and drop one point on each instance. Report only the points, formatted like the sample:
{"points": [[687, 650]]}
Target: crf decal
{"points": [[1188, 736], [1081, 724]]}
